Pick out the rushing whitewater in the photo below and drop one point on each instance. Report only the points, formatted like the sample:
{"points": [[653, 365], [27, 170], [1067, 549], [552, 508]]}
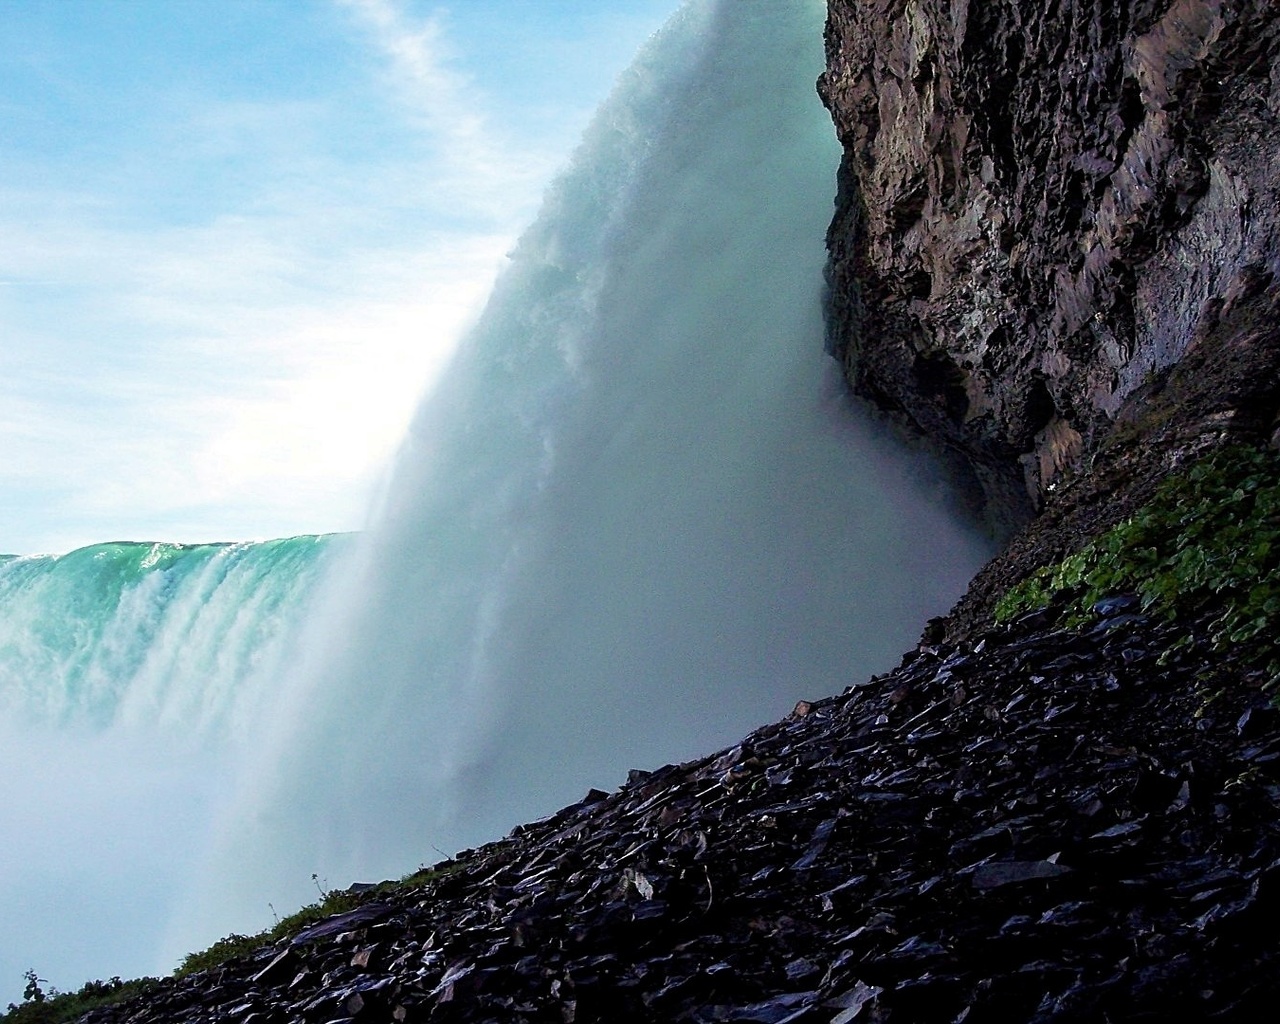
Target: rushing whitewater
{"points": [[636, 518], [131, 676], [167, 635]]}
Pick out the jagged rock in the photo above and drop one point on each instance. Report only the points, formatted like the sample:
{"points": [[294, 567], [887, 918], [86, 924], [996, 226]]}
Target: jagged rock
{"points": [[1114, 859], [1042, 210]]}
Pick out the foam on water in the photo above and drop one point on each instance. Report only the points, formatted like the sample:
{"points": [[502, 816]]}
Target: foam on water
{"points": [[149, 634]]}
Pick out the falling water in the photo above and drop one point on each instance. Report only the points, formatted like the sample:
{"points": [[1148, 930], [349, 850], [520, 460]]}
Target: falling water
{"points": [[131, 675], [637, 517]]}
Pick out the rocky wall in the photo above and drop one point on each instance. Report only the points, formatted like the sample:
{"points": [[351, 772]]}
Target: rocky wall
{"points": [[1043, 207]]}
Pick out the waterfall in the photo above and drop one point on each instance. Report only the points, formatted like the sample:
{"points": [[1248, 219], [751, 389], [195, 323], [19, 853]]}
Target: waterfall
{"points": [[131, 677], [636, 518]]}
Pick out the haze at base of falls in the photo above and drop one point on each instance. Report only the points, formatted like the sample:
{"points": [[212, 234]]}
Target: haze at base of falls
{"points": [[130, 677], [637, 518]]}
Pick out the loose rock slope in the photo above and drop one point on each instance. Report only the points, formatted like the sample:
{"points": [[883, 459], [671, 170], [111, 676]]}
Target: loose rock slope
{"points": [[1034, 825]]}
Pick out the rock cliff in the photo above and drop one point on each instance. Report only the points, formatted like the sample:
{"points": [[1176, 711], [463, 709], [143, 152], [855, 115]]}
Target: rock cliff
{"points": [[1044, 207]]}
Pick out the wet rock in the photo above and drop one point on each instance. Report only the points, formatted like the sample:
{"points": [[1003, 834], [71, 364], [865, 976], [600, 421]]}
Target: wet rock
{"points": [[1000, 873], [343, 923], [1012, 253]]}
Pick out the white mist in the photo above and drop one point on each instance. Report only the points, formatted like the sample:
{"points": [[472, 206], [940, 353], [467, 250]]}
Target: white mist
{"points": [[636, 518]]}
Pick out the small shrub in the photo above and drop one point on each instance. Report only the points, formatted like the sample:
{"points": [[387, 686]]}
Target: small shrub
{"points": [[227, 948], [54, 1007], [335, 902]]}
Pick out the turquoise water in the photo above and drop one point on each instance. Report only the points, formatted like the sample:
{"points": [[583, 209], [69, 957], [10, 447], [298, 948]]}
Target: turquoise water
{"points": [[134, 678], [170, 634]]}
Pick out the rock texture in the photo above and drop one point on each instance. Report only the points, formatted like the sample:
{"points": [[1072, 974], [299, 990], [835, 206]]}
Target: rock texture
{"points": [[1043, 206], [1033, 825]]}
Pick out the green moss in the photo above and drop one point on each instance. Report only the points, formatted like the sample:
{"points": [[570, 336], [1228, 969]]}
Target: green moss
{"points": [[1208, 542]]}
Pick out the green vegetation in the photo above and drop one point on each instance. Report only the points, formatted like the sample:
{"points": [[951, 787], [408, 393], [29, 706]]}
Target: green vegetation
{"points": [[1207, 543], [336, 902], [331, 903], [53, 1007]]}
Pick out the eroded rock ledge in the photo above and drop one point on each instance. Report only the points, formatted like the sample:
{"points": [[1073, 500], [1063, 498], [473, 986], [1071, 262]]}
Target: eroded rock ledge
{"points": [[1043, 207]]}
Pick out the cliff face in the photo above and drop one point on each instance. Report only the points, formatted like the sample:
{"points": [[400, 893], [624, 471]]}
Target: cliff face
{"points": [[1044, 207]]}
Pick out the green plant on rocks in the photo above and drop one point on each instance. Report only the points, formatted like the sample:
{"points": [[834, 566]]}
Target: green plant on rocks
{"points": [[1208, 543], [331, 903], [54, 1007]]}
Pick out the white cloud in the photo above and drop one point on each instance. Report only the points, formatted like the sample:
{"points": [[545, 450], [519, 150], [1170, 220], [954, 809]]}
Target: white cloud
{"points": [[219, 326], [240, 370], [246, 371], [474, 163]]}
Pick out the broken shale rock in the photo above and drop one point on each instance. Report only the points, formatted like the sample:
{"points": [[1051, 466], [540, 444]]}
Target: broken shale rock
{"points": [[1036, 824]]}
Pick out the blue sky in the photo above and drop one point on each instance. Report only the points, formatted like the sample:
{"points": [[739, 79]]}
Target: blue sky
{"points": [[241, 236]]}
